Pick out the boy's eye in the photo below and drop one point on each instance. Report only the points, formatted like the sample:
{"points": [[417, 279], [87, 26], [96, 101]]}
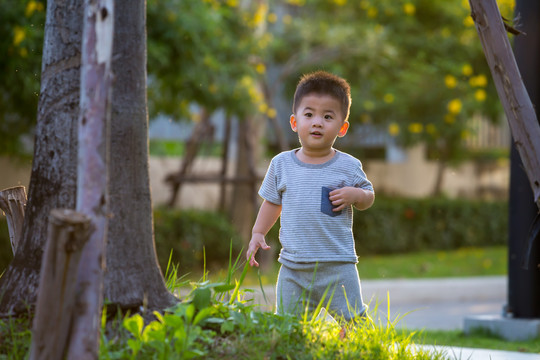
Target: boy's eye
{"points": [[308, 115], [328, 117]]}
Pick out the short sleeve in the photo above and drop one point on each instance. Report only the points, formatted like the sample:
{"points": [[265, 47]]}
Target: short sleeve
{"points": [[269, 187], [361, 179]]}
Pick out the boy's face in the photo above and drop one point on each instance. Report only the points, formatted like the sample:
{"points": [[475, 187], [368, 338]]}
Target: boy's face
{"points": [[319, 121]]}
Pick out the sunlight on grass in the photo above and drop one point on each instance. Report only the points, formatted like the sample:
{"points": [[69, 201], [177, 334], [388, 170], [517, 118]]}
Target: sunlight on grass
{"points": [[488, 261]]}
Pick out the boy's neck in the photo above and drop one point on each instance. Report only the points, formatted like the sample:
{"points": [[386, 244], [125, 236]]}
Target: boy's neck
{"points": [[315, 157]]}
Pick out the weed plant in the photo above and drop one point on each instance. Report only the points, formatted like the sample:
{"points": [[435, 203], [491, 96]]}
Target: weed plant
{"points": [[215, 321]]}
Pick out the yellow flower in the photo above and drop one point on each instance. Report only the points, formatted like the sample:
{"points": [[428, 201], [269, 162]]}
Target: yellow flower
{"points": [[478, 81], [416, 128], [467, 70], [393, 129], [340, 2], [468, 21], [272, 18], [372, 12], [297, 2], [232, 3], [19, 34], [260, 68], [450, 81], [388, 98], [409, 9], [260, 15], [465, 134], [263, 108], [364, 4], [454, 106], [31, 7], [271, 113], [480, 95]]}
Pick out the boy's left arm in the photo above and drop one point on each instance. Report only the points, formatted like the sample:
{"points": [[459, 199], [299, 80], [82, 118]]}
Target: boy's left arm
{"points": [[349, 195]]}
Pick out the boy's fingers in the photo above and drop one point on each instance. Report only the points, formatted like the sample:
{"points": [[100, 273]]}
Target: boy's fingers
{"points": [[252, 262]]}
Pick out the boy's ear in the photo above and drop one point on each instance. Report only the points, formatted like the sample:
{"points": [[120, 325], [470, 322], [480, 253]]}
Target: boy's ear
{"points": [[293, 122], [343, 129]]}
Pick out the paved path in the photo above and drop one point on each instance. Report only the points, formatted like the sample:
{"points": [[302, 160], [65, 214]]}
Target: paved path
{"points": [[436, 304]]}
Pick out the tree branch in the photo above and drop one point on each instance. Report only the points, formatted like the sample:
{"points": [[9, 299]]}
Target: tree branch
{"points": [[512, 92]]}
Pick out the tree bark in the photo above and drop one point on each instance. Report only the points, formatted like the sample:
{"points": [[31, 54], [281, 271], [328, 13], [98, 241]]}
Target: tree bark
{"points": [[68, 232], [12, 203], [192, 147], [52, 180], [132, 277], [243, 204], [512, 92], [92, 174]]}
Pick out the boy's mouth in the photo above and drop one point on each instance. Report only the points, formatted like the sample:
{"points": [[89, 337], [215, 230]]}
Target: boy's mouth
{"points": [[316, 133]]}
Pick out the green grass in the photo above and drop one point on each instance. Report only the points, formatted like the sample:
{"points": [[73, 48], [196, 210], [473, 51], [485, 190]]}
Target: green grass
{"points": [[474, 340], [214, 321], [431, 264], [159, 147], [488, 261]]}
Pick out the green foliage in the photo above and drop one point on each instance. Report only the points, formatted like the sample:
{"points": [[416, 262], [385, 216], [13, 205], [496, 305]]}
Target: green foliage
{"points": [[215, 321], [21, 34], [390, 226], [15, 335], [400, 225], [201, 52], [415, 66], [194, 236], [395, 225]]}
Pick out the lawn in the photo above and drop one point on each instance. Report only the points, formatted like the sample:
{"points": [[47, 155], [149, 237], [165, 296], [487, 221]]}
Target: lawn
{"points": [[488, 261], [222, 326]]}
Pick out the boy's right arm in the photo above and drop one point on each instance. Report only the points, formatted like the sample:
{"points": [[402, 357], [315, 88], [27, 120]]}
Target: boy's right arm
{"points": [[267, 217]]}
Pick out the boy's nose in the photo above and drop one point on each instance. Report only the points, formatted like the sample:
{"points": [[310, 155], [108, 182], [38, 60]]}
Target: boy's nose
{"points": [[317, 121]]}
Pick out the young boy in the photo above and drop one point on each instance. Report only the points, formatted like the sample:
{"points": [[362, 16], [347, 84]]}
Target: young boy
{"points": [[313, 189]]}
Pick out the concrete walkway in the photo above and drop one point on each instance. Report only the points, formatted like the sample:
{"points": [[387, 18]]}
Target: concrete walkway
{"points": [[434, 304]]}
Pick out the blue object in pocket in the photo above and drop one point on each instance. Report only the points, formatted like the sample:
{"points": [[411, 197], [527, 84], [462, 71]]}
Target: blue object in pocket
{"points": [[326, 204]]}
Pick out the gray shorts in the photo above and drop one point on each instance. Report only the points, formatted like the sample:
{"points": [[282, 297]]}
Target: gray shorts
{"points": [[304, 286]]}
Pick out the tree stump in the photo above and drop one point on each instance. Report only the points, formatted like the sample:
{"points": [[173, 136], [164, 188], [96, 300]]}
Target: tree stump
{"points": [[12, 203], [67, 234]]}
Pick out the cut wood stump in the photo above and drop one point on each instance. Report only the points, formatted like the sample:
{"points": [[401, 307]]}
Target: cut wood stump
{"points": [[12, 203], [67, 234]]}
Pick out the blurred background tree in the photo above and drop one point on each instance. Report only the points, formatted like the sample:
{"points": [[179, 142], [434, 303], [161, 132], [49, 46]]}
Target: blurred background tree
{"points": [[415, 66]]}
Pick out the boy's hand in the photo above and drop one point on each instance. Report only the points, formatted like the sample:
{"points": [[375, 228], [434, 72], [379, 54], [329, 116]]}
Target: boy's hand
{"points": [[257, 241], [349, 195]]}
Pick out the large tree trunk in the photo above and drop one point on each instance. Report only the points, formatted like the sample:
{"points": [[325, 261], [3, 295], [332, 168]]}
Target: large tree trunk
{"points": [[132, 276], [52, 181]]}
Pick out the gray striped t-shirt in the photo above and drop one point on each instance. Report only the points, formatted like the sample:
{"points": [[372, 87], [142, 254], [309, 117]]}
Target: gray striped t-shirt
{"points": [[308, 235]]}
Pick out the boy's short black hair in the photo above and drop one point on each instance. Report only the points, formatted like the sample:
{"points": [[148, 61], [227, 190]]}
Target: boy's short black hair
{"points": [[324, 83]]}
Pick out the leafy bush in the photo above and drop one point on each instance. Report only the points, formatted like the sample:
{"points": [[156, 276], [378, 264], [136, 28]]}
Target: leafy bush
{"points": [[193, 235], [392, 225], [396, 225]]}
